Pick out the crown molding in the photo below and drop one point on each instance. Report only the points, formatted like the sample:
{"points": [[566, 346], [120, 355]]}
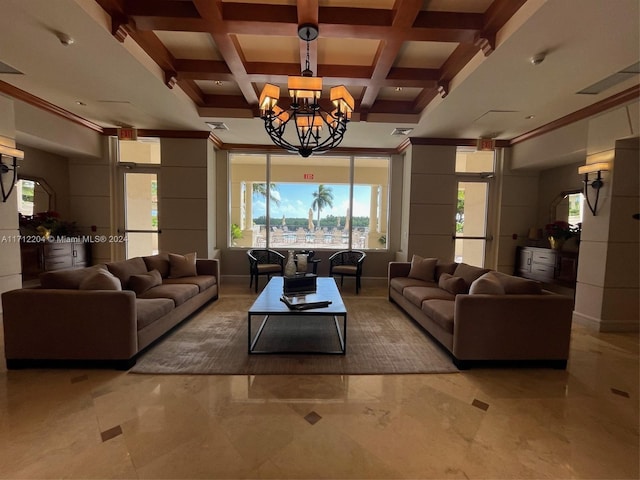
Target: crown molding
{"points": [[38, 102], [616, 100]]}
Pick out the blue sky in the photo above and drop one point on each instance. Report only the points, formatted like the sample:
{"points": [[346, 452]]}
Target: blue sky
{"points": [[296, 199]]}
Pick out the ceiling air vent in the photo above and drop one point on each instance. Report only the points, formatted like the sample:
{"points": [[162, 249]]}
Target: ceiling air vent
{"points": [[401, 131], [217, 126], [612, 80], [4, 68]]}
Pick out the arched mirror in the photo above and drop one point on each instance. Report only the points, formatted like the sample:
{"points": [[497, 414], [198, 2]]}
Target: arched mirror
{"points": [[567, 206], [34, 195]]}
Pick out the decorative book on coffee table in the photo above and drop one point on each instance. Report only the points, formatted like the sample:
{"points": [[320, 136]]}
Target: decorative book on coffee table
{"points": [[305, 301]]}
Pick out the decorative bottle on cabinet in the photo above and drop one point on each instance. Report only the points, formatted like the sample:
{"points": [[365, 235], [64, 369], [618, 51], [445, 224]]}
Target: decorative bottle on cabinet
{"points": [[290, 267]]}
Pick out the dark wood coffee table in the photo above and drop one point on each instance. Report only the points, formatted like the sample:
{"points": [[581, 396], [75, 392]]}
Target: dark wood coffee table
{"points": [[269, 306]]}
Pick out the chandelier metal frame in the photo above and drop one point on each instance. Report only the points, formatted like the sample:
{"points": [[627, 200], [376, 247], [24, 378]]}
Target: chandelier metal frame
{"points": [[316, 129]]}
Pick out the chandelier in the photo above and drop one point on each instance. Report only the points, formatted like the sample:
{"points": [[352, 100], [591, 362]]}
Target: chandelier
{"points": [[315, 130]]}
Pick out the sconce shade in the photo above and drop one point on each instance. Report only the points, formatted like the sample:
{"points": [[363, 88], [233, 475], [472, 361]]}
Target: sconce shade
{"points": [[596, 183], [594, 167], [269, 97], [6, 186]]}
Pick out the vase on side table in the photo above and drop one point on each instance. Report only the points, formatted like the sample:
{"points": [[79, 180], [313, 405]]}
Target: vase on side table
{"points": [[290, 266], [556, 243]]}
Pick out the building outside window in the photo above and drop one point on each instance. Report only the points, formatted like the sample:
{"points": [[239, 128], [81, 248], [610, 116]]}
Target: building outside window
{"points": [[332, 202]]}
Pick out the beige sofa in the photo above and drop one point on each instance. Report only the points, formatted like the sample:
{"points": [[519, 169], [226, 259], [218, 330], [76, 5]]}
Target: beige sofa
{"points": [[106, 314], [483, 317]]}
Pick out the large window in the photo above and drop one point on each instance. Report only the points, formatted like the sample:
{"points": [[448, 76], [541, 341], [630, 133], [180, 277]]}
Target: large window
{"points": [[283, 201]]}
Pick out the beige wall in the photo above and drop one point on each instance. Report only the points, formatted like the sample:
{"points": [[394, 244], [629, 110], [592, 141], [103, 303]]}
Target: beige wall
{"points": [[430, 220], [183, 190], [10, 268]]}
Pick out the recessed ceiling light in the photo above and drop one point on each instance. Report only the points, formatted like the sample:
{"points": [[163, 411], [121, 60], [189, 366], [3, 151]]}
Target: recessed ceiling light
{"points": [[398, 89], [529, 117], [218, 83], [81, 103]]}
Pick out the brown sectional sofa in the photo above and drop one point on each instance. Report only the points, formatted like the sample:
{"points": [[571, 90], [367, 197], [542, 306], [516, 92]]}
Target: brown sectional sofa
{"points": [[481, 316], [106, 314]]}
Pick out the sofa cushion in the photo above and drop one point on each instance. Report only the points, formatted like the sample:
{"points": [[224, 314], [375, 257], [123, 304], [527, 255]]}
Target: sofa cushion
{"points": [[125, 268], [453, 285], [487, 284], [68, 279], [469, 273], [517, 285], [345, 269], [202, 281], [143, 282], [400, 283], [148, 310], [100, 280], [444, 267], [269, 268], [158, 262], [178, 293], [182, 265], [441, 312], [423, 268], [417, 295]]}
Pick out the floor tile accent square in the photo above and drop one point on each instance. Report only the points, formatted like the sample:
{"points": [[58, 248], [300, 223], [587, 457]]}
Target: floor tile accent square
{"points": [[111, 433], [479, 404], [312, 418], [622, 393]]}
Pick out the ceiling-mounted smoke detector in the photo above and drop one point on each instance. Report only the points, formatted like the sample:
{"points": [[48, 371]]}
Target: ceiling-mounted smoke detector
{"points": [[402, 131], [217, 126]]}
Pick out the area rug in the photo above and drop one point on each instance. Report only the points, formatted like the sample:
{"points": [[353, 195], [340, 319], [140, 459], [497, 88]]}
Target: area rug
{"points": [[381, 339]]}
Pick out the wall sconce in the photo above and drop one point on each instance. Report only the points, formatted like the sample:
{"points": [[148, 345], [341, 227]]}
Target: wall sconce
{"points": [[597, 183], [11, 169]]}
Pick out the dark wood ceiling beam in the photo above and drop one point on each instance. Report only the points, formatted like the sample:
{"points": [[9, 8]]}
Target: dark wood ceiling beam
{"points": [[155, 8], [252, 13], [419, 75], [192, 90], [404, 15], [225, 101], [449, 20], [203, 70], [392, 106], [355, 16], [227, 45], [170, 24]]}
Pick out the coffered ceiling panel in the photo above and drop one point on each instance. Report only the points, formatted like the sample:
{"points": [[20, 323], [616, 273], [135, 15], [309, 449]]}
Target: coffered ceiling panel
{"points": [[189, 45], [424, 54], [276, 49], [473, 6]]}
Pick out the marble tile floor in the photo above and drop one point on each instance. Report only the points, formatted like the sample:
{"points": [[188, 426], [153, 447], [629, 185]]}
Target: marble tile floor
{"points": [[481, 423]]}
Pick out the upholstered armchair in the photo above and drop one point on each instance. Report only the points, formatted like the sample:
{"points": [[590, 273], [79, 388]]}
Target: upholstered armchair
{"points": [[347, 263], [263, 261]]}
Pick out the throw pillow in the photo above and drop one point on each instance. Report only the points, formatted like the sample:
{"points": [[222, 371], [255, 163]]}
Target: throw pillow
{"points": [[518, 286], [158, 262], [182, 265], [423, 268], [469, 272], [142, 283], [451, 284], [100, 280], [487, 284]]}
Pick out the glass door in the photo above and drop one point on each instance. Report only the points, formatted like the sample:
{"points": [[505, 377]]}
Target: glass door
{"points": [[141, 213], [471, 222]]}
